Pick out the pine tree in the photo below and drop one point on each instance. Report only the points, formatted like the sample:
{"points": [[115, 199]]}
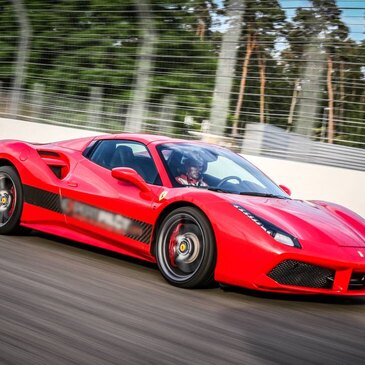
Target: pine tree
{"points": [[263, 24], [185, 58], [299, 33], [321, 26], [9, 33]]}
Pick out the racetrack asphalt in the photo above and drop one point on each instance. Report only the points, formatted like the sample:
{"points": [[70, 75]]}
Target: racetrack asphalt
{"points": [[65, 303]]}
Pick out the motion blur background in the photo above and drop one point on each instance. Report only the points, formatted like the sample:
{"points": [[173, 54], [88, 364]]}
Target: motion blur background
{"points": [[282, 78]]}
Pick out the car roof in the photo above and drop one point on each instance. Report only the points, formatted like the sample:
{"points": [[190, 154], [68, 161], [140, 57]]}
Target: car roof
{"points": [[141, 137], [81, 143], [156, 139]]}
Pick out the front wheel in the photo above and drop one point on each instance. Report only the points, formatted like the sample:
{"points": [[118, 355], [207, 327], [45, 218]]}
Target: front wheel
{"points": [[11, 200], [186, 251]]}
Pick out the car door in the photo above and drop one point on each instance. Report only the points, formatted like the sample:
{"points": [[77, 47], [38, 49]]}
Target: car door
{"points": [[111, 210]]}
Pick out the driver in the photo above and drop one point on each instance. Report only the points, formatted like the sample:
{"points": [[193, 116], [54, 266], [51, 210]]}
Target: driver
{"points": [[194, 167]]}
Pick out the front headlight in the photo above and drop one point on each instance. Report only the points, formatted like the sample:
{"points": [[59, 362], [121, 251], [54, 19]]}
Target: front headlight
{"points": [[277, 233]]}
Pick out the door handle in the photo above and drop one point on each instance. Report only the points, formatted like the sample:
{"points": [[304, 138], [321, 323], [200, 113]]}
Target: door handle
{"points": [[72, 184]]}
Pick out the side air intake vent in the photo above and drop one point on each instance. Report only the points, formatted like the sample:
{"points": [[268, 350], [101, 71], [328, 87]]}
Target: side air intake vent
{"points": [[48, 153], [57, 162], [291, 272]]}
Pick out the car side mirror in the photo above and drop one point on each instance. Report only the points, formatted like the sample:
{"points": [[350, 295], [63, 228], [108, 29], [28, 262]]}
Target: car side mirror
{"points": [[131, 176], [285, 189]]}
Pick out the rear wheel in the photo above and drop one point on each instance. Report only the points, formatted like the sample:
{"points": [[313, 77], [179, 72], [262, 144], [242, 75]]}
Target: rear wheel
{"points": [[186, 252], [11, 200]]}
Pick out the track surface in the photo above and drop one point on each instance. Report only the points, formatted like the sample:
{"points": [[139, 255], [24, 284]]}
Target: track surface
{"points": [[62, 303]]}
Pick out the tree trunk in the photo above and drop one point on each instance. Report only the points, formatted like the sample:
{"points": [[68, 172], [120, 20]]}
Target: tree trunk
{"points": [[352, 96], [251, 44], [293, 104], [22, 57], [95, 107], [226, 69], [138, 107], [309, 98], [331, 127], [201, 29], [262, 88], [167, 115], [362, 113], [342, 91]]}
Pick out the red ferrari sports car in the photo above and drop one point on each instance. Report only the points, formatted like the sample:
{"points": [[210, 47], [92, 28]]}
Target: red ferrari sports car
{"points": [[202, 212]]}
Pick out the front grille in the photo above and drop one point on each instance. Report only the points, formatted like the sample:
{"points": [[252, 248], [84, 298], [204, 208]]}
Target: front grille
{"points": [[290, 272], [357, 281]]}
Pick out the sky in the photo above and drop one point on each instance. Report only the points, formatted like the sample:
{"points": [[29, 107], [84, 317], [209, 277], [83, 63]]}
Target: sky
{"points": [[353, 14]]}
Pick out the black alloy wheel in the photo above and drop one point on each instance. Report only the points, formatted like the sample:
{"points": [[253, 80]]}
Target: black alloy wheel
{"points": [[186, 250], [11, 200]]}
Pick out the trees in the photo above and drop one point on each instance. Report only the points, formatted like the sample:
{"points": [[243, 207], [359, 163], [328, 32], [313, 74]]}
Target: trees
{"points": [[319, 30], [299, 34], [332, 32], [8, 42], [263, 25], [349, 87], [300, 73], [185, 60]]}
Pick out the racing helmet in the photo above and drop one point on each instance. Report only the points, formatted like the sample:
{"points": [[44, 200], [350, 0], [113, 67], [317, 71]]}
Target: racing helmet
{"points": [[195, 166]]}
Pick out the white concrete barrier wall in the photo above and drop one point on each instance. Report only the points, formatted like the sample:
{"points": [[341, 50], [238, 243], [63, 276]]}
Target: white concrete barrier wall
{"points": [[306, 181], [38, 132], [316, 182]]}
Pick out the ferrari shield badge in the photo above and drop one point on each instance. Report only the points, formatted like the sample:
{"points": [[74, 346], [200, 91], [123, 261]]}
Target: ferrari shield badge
{"points": [[162, 195]]}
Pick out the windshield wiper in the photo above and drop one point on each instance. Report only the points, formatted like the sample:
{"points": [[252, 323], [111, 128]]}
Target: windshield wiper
{"points": [[211, 188], [251, 193], [220, 190], [265, 195]]}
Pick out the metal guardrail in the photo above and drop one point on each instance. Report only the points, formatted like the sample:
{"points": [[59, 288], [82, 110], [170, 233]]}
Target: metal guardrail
{"points": [[270, 141]]}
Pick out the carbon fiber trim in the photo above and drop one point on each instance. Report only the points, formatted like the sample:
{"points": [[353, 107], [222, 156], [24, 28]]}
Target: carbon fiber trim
{"points": [[138, 230], [147, 232], [290, 272], [42, 198]]}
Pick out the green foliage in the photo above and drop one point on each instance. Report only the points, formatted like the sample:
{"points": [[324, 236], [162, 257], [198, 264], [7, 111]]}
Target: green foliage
{"points": [[8, 42], [77, 45], [321, 26]]}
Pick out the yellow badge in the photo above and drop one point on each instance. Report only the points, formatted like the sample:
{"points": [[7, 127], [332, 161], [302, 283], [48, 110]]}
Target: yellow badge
{"points": [[183, 247], [162, 195]]}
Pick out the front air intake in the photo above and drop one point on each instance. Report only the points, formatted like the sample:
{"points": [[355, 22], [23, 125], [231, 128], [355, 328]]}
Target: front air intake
{"points": [[357, 281], [297, 273]]}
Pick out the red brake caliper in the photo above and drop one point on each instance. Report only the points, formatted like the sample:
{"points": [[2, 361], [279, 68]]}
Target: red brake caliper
{"points": [[13, 199], [172, 244]]}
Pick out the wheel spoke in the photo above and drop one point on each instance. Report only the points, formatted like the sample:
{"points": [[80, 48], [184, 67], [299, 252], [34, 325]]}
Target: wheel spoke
{"points": [[173, 244], [3, 217], [184, 266], [187, 267], [2, 183]]}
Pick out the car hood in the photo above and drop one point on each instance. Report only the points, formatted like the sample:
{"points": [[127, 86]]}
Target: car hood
{"points": [[308, 221]]}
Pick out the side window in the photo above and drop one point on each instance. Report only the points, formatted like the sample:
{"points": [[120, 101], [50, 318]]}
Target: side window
{"points": [[118, 153]]}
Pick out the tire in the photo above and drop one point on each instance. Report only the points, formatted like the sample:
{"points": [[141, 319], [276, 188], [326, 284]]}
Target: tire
{"points": [[186, 250], [11, 200]]}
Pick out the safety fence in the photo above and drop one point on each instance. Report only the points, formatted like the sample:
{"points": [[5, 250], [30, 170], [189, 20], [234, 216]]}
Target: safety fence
{"points": [[294, 70]]}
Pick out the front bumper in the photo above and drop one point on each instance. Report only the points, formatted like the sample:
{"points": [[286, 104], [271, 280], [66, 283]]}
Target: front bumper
{"points": [[341, 272], [314, 276]]}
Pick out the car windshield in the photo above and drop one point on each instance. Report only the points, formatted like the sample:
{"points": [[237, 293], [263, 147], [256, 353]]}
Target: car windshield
{"points": [[215, 168]]}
